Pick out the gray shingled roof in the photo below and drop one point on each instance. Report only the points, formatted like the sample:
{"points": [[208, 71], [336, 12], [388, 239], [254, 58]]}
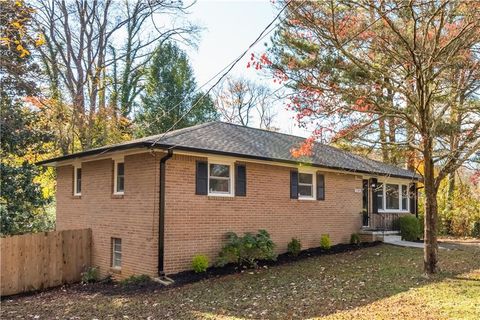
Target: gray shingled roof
{"points": [[229, 139]]}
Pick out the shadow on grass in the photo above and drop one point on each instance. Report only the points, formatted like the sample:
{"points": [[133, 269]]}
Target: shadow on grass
{"points": [[313, 287]]}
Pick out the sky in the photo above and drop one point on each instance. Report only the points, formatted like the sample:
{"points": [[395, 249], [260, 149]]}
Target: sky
{"points": [[229, 27]]}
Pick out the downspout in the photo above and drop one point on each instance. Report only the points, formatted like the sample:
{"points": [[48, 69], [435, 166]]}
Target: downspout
{"points": [[161, 213]]}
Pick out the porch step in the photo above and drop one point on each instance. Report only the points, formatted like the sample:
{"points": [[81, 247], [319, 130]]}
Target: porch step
{"points": [[382, 232], [392, 238], [377, 235]]}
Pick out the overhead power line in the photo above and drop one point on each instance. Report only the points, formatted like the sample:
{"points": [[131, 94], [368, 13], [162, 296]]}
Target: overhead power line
{"points": [[229, 68]]}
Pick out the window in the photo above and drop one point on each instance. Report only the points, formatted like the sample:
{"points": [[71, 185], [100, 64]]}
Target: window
{"points": [[404, 197], [116, 253], [119, 180], [305, 185], [392, 197], [219, 179], [379, 196], [77, 181]]}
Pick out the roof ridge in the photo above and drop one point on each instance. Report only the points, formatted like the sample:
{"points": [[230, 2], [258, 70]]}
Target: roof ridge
{"points": [[176, 132], [260, 129], [345, 152]]}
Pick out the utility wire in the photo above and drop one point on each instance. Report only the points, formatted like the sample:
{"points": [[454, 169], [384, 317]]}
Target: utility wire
{"points": [[232, 65], [233, 62]]}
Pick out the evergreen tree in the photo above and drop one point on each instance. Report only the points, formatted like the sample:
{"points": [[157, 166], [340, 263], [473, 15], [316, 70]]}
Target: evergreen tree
{"points": [[170, 94], [22, 202]]}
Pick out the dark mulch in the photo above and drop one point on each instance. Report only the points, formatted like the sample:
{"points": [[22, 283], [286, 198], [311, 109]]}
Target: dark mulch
{"points": [[110, 287], [213, 272]]}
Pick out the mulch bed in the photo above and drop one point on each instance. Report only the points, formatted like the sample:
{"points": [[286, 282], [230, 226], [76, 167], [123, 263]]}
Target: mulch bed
{"points": [[110, 287], [213, 272]]}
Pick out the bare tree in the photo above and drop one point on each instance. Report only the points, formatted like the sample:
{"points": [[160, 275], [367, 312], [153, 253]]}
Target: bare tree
{"points": [[85, 53], [240, 100]]}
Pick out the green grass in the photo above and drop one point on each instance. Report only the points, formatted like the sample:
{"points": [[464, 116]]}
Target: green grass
{"points": [[382, 282]]}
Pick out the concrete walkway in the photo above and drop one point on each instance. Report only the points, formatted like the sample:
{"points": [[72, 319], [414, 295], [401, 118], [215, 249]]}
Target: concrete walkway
{"points": [[397, 241]]}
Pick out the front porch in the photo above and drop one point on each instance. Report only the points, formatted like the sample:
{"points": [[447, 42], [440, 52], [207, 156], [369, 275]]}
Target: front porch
{"points": [[384, 201], [376, 226]]}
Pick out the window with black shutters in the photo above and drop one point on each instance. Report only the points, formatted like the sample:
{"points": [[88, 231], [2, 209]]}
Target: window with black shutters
{"points": [[219, 181], [305, 185]]}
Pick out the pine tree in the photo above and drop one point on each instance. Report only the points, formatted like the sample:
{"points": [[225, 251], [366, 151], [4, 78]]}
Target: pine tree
{"points": [[170, 93]]}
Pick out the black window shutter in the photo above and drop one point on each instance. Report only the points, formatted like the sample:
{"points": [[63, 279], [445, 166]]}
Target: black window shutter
{"points": [[374, 186], [320, 186], [240, 180], [201, 185], [413, 198], [293, 184]]}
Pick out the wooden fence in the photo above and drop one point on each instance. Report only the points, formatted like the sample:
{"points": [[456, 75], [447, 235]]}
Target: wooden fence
{"points": [[41, 260]]}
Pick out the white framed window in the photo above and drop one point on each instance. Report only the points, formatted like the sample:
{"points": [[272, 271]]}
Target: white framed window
{"points": [[220, 179], [392, 197], [116, 253], [119, 177], [77, 180], [380, 196], [306, 185]]}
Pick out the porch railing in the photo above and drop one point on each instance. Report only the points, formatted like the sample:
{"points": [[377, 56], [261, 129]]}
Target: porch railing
{"points": [[385, 221]]}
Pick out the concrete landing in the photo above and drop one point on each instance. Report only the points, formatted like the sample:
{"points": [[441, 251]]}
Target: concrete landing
{"points": [[397, 241]]}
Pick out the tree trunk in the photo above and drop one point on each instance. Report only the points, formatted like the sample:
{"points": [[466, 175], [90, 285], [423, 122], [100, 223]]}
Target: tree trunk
{"points": [[431, 245], [383, 141]]}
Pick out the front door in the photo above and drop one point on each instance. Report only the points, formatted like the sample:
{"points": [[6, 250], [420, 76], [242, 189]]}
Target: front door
{"points": [[365, 216]]}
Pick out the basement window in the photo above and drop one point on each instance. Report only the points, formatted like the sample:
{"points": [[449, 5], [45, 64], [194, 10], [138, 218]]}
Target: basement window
{"points": [[116, 253]]}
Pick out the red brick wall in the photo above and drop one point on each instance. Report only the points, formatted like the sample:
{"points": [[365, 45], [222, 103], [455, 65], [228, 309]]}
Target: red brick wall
{"points": [[132, 217], [197, 224]]}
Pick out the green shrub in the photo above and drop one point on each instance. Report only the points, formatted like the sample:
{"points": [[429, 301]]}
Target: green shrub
{"points": [[200, 263], [476, 229], [409, 228], [421, 220], [355, 239], [325, 242], [90, 275], [294, 247], [135, 280], [247, 250]]}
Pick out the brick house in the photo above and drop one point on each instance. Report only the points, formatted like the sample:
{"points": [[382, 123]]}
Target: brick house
{"points": [[154, 203]]}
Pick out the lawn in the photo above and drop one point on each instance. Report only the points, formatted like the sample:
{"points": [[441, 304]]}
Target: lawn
{"points": [[381, 282]]}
